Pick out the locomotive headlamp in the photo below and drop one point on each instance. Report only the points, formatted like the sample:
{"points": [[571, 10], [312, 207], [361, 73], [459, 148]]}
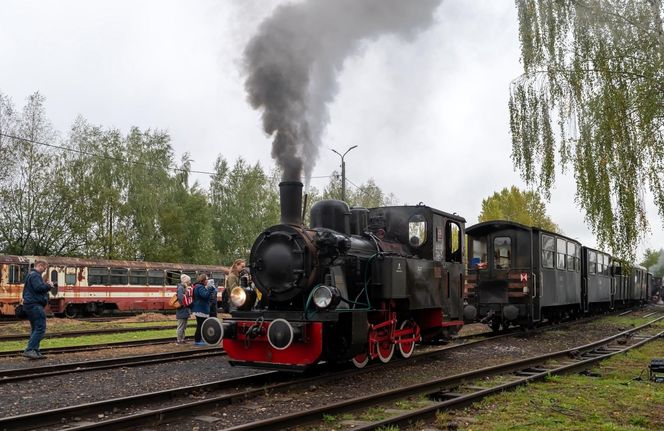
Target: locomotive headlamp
{"points": [[326, 297], [243, 297]]}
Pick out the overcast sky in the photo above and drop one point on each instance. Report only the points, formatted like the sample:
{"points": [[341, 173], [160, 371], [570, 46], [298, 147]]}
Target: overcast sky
{"points": [[429, 115]]}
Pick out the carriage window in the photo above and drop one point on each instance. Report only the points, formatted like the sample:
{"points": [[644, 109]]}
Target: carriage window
{"points": [[173, 278], [480, 257], [138, 276], [98, 276], [607, 262], [561, 247], [577, 259], [191, 275], [548, 249], [453, 242], [502, 252], [17, 274], [155, 277], [119, 276], [592, 259], [54, 276], [70, 276], [571, 252], [219, 278], [417, 230]]}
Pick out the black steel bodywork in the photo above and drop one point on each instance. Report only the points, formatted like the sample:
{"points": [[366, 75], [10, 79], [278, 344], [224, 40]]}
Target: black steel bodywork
{"points": [[527, 274]]}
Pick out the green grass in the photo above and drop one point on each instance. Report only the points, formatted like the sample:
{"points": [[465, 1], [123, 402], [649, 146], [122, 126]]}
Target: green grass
{"points": [[63, 325], [617, 400], [94, 339]]}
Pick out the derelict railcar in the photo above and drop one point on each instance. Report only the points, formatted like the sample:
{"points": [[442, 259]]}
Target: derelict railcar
{"points": [[356, 285], [91, 286], [518, 275]]}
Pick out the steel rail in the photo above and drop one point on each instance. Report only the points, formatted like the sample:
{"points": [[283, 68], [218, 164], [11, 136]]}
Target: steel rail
{"points": [[93, 347], [15, 337], [529, 369], [49, 417], [173, 412], [16, 374], [532, 374]]}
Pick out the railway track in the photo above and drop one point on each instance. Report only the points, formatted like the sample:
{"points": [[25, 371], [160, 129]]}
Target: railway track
{"points": [[93, 347], [180, 405], [15, 337], [443, 393], [18, 374], [463, 389]]}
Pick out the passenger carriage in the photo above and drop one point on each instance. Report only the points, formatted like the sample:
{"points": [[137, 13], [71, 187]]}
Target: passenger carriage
{"points": [[91, 286], [519, 275]]}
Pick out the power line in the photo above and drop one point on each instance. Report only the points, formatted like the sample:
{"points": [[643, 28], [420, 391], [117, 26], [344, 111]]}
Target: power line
{"points": [[116, 159], [102, 156]]}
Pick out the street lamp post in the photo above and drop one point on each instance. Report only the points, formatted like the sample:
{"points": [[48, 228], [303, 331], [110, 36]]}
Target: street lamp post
{"points": [[343, 171]]}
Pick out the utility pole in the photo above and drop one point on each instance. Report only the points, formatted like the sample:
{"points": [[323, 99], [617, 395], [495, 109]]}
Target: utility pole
{"points": [[343, 171]]}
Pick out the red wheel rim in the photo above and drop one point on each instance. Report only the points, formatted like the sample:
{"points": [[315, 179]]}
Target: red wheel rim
{"points": [[385, 351], [406, 350], [361, 360]]}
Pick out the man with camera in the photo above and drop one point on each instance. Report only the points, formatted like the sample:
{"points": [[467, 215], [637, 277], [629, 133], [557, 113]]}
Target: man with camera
{"points": [[35, 298]]}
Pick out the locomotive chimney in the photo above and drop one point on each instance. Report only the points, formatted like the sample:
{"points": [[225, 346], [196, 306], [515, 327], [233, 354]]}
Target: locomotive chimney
{"points": [[290, 194]]}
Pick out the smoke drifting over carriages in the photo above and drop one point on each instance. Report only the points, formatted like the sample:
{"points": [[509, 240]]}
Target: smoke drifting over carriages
{"points": [[293, 62]]}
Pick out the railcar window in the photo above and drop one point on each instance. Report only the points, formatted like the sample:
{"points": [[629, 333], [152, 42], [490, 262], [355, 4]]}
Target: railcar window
{"points": [[561, 246], [417, 230], [571, 252], [191, 274], [219, 278], [577, 259], [155, 277], [173, 278], [17, 274], [607, 263], [592, 262], [548, 250], [453, 242], [70, 278], [54, 276], [502, 252], [98, 276], [480, 256], [138, 276], [119, 276]]}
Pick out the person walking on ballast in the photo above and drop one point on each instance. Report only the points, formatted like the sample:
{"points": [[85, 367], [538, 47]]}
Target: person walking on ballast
{"points": [[35, 298], [201, 307]]}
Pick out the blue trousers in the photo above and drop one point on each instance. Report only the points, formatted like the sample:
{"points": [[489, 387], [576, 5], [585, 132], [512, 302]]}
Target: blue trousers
{"points": [[37, 319]]}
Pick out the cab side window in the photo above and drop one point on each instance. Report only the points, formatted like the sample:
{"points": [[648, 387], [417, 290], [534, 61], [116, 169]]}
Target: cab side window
{"points": [[453, 249]]}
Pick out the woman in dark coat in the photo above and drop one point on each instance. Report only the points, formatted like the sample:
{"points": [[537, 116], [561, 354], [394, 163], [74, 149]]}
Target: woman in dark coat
{"points": [[201, 306]]}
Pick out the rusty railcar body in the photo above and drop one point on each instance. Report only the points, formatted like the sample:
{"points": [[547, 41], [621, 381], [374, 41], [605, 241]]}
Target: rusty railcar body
{"points": [[91, 286]]}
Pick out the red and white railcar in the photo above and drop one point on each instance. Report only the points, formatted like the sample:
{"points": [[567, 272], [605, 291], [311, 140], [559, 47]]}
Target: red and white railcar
{"points": [[90, 286]]}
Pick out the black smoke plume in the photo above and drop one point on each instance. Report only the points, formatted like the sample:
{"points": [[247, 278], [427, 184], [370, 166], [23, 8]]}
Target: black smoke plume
{"points": [[292, 65]]}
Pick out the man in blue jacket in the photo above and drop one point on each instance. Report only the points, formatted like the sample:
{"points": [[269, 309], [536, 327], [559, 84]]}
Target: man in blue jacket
{"points": [[35, 298]]}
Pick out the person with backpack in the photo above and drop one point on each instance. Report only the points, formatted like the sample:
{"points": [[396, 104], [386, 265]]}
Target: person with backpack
{"points": [[182, 313], [201, 306]]}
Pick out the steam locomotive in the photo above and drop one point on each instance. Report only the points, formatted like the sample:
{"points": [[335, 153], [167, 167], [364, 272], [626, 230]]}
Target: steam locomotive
{"points": [[356, 285]]}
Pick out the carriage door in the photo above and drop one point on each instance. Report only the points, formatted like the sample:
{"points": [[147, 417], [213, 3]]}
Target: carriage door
{"points": [[454, 268]]}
